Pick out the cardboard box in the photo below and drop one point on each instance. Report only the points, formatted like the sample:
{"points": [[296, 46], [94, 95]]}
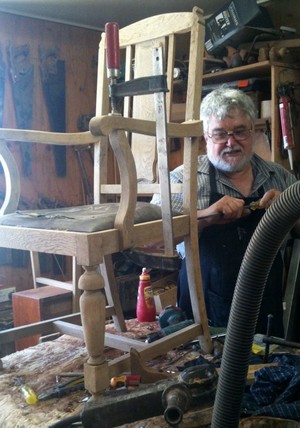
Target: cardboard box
{"points": [[165, 292], [235, 23]]}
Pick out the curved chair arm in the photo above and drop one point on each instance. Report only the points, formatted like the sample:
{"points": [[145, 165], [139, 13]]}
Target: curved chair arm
{"points": [[12, 180], [103, 125], [11, 171], [46, 137]]}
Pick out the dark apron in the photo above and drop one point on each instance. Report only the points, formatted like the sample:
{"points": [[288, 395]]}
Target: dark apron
{"points": [[222, 248]]}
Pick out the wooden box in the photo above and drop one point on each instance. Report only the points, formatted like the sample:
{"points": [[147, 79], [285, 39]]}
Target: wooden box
{"points": [[39, 304]]}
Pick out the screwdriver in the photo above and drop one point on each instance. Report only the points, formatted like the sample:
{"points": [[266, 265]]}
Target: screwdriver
{"points": [[27, 392], [126, 380]]}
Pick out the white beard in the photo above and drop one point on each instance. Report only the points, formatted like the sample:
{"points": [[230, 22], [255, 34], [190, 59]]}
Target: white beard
{"points": [[225, 166]]}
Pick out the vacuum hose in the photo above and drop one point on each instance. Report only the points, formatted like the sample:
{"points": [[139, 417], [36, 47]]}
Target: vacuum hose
{"points": [[257, 262]]}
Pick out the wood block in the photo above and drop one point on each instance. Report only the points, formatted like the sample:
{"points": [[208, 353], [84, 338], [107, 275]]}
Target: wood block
{"points": [[39, 304]]}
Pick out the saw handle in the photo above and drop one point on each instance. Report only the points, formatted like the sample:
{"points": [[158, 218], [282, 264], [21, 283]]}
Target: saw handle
{"points": [[112, 48]]}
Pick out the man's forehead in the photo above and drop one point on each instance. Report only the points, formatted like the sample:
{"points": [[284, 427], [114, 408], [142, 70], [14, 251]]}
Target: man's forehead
{"points": [[237, 120]]}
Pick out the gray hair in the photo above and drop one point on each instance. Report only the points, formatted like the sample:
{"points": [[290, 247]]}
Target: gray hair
{"points": [[223, 101]]}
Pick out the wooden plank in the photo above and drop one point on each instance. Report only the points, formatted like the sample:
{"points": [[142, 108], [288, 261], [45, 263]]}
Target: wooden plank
{"points": [[43, 327], [69, 329], [143, 188], [123, 343], [153, 350]]}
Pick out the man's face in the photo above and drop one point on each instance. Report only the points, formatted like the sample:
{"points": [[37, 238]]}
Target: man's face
{"points": [[230, 153]]}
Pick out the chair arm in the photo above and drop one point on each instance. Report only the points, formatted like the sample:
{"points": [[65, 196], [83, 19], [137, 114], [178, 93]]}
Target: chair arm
{"points": [[103, 125], [46, 137], [12, 180]]}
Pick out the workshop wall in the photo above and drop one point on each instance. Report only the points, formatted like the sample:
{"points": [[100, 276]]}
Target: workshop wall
{"points": [[78, 48]]}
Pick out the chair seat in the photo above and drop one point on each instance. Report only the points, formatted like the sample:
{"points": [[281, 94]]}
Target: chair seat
{"points": [[85, 218]]}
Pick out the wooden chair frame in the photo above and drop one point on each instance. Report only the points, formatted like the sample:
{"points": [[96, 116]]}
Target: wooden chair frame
{"points": [[95, 248]]}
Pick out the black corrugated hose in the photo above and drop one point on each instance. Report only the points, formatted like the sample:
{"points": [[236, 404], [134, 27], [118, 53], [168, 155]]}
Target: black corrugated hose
{"points": [[269, 235]]}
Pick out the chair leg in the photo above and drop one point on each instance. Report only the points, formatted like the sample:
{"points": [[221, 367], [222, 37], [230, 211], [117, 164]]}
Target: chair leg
{"points": [[112, 293], [92, 308]]}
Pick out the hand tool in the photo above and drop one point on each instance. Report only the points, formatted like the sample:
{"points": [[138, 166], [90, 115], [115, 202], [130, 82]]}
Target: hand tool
{"points": [[27, 392], [22, 78], [171, 315], [253, 206], [168, 330], [68, 374], [268, 334], [126, 380], [53, 77], [59, 390], [113, 61]]}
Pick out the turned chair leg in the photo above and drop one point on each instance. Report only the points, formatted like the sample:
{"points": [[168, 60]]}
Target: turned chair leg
{"points": [[92, 307]]}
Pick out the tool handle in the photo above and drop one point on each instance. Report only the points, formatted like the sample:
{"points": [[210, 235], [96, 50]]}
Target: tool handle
{"points": [[28, 394], [112, 47]]}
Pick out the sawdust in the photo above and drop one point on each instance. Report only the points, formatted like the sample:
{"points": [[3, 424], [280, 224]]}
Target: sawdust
{"points": [[39, 366]]}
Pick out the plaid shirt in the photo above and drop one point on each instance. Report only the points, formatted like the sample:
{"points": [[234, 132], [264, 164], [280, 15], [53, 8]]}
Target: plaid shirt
{"points": [[267, 174]]}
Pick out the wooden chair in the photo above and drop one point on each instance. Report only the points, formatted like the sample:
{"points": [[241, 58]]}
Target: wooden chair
{"points": [[91, 234]]}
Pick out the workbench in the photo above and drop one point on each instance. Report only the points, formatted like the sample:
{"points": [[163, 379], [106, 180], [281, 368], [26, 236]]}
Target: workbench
{"points": [[39, 365]]}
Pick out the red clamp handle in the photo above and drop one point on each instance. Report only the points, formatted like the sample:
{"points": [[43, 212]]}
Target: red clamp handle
{"points": [[112, 46]]}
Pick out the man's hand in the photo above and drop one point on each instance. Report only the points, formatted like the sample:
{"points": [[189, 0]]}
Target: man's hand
{"points": [[269, 197], [223, 211]]}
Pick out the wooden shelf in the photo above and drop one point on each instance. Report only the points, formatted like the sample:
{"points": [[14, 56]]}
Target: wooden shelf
{"points": [[259, 69]]}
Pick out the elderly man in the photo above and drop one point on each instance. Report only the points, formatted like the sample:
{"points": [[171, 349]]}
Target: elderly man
{"points": [[229, 177]]}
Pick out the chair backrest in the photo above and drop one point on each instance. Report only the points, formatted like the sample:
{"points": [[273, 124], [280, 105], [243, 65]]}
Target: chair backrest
{"points": [[182, 37]]}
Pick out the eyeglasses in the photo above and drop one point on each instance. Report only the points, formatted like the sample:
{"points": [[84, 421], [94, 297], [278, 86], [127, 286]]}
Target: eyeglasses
{"points": [[221, 137]]}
